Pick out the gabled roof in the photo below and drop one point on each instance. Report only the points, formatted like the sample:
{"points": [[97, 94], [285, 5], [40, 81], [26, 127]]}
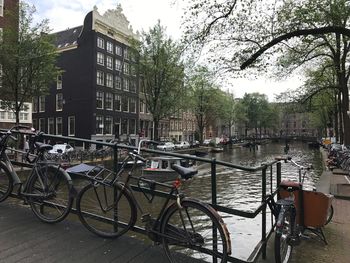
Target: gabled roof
{"points": [[67, 37]]}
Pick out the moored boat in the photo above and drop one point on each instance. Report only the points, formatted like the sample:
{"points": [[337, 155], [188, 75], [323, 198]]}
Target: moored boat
{"points": [[160, 168]]}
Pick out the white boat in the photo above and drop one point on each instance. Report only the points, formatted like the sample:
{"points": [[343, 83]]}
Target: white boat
{"points": [[159, 168]]}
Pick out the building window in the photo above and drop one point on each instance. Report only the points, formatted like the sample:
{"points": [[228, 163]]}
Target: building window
{"points": [[117, 102], [109, 63], [118, 64], [99, 100], [59, 102], [42, 124], [126, 54], [100, 43], [59, 126], [23, 116], [118, 50], [117, 82], [132, 105], [1, 7], [100, 78], [42, 104], [109, 80], [109, 101], [142, 107], [51, 126], [132, 86], [125, 104], [126, 84], [99, 125], [59, 82], [133, 70], [124, 127], [100, 58], [35, 104], [132, 126], [108, 125], [126, 68], [71, 126], [109, 47], [117, 126]]}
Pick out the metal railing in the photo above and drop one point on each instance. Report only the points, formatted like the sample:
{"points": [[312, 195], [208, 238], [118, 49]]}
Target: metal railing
{"points": [[260, 248]]}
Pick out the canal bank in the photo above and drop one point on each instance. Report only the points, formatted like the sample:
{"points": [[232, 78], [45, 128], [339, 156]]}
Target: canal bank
{"points": [[337, 231]]}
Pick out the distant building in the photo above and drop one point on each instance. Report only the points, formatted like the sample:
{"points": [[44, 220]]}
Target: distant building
{"points": [[97, 95], [7, 117]]}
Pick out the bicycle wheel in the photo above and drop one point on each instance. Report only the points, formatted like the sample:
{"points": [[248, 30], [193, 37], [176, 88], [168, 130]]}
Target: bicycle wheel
{"points": [[330, 214], [49, 194], [106, 211], [283, 249], [6, 182], [187, 233]]}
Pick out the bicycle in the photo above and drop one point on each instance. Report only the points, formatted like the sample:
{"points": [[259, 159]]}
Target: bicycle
{"points": [[48, 189], [108, 208], [296, 211]]}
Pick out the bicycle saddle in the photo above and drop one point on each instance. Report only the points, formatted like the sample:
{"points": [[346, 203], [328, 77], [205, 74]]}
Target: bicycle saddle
{"points": [[290, 186], [185, 172], [43, 146]]}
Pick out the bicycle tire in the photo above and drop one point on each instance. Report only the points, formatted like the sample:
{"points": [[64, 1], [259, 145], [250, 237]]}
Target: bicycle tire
{"points": [[6, 182], [94, 198], [52, 189], [330, 215], [193, 237], [283, 249]]}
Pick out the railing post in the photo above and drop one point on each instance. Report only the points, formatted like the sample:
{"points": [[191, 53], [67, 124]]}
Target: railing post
{"points": [[214, 202], [115, 158], [278, 177], [263, 213]]}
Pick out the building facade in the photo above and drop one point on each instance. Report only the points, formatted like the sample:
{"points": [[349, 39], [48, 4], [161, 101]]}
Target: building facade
{"points": [[97, 95]]}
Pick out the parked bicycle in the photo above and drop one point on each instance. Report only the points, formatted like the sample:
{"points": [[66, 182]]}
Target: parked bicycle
{"points": [[184, 226], [296, 211], [48, 189]]}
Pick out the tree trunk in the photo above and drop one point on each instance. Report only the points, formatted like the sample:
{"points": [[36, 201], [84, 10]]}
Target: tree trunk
{"points": [[155, 130], [346, 118]]}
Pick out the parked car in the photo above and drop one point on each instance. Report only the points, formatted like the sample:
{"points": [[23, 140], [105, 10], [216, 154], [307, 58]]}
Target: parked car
{"points": [[61, 148], [182, 145], [206, 141], [194, 144], [167, 146]]}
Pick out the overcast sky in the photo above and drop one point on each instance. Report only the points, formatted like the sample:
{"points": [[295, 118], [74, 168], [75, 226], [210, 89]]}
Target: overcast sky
{"points": [[143, 14]]}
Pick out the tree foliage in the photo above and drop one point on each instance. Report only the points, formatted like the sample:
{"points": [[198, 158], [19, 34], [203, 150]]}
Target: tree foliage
{"points": [[161, 69], [27, 57]]}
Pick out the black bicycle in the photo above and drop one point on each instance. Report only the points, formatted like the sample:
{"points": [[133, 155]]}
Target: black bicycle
{"points": [[48, 189], [296, 211], [184, 226]]}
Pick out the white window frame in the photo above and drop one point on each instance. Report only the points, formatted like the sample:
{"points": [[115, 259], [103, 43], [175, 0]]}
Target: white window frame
{"points": [[100, 59], [126, 84], [100, 117], [100, 78], [108, 132], [126, 69], [49, 122], [59, 102], [42, 103], [117, 97], [59, 121], [118, 50], [59, 82], [99, 97], [100, 43], [118, 64], [109, 47], [109, 96], [41, 124], [117, 82], [69, 125], [109, 62], [132, 101], [109, 80]]}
